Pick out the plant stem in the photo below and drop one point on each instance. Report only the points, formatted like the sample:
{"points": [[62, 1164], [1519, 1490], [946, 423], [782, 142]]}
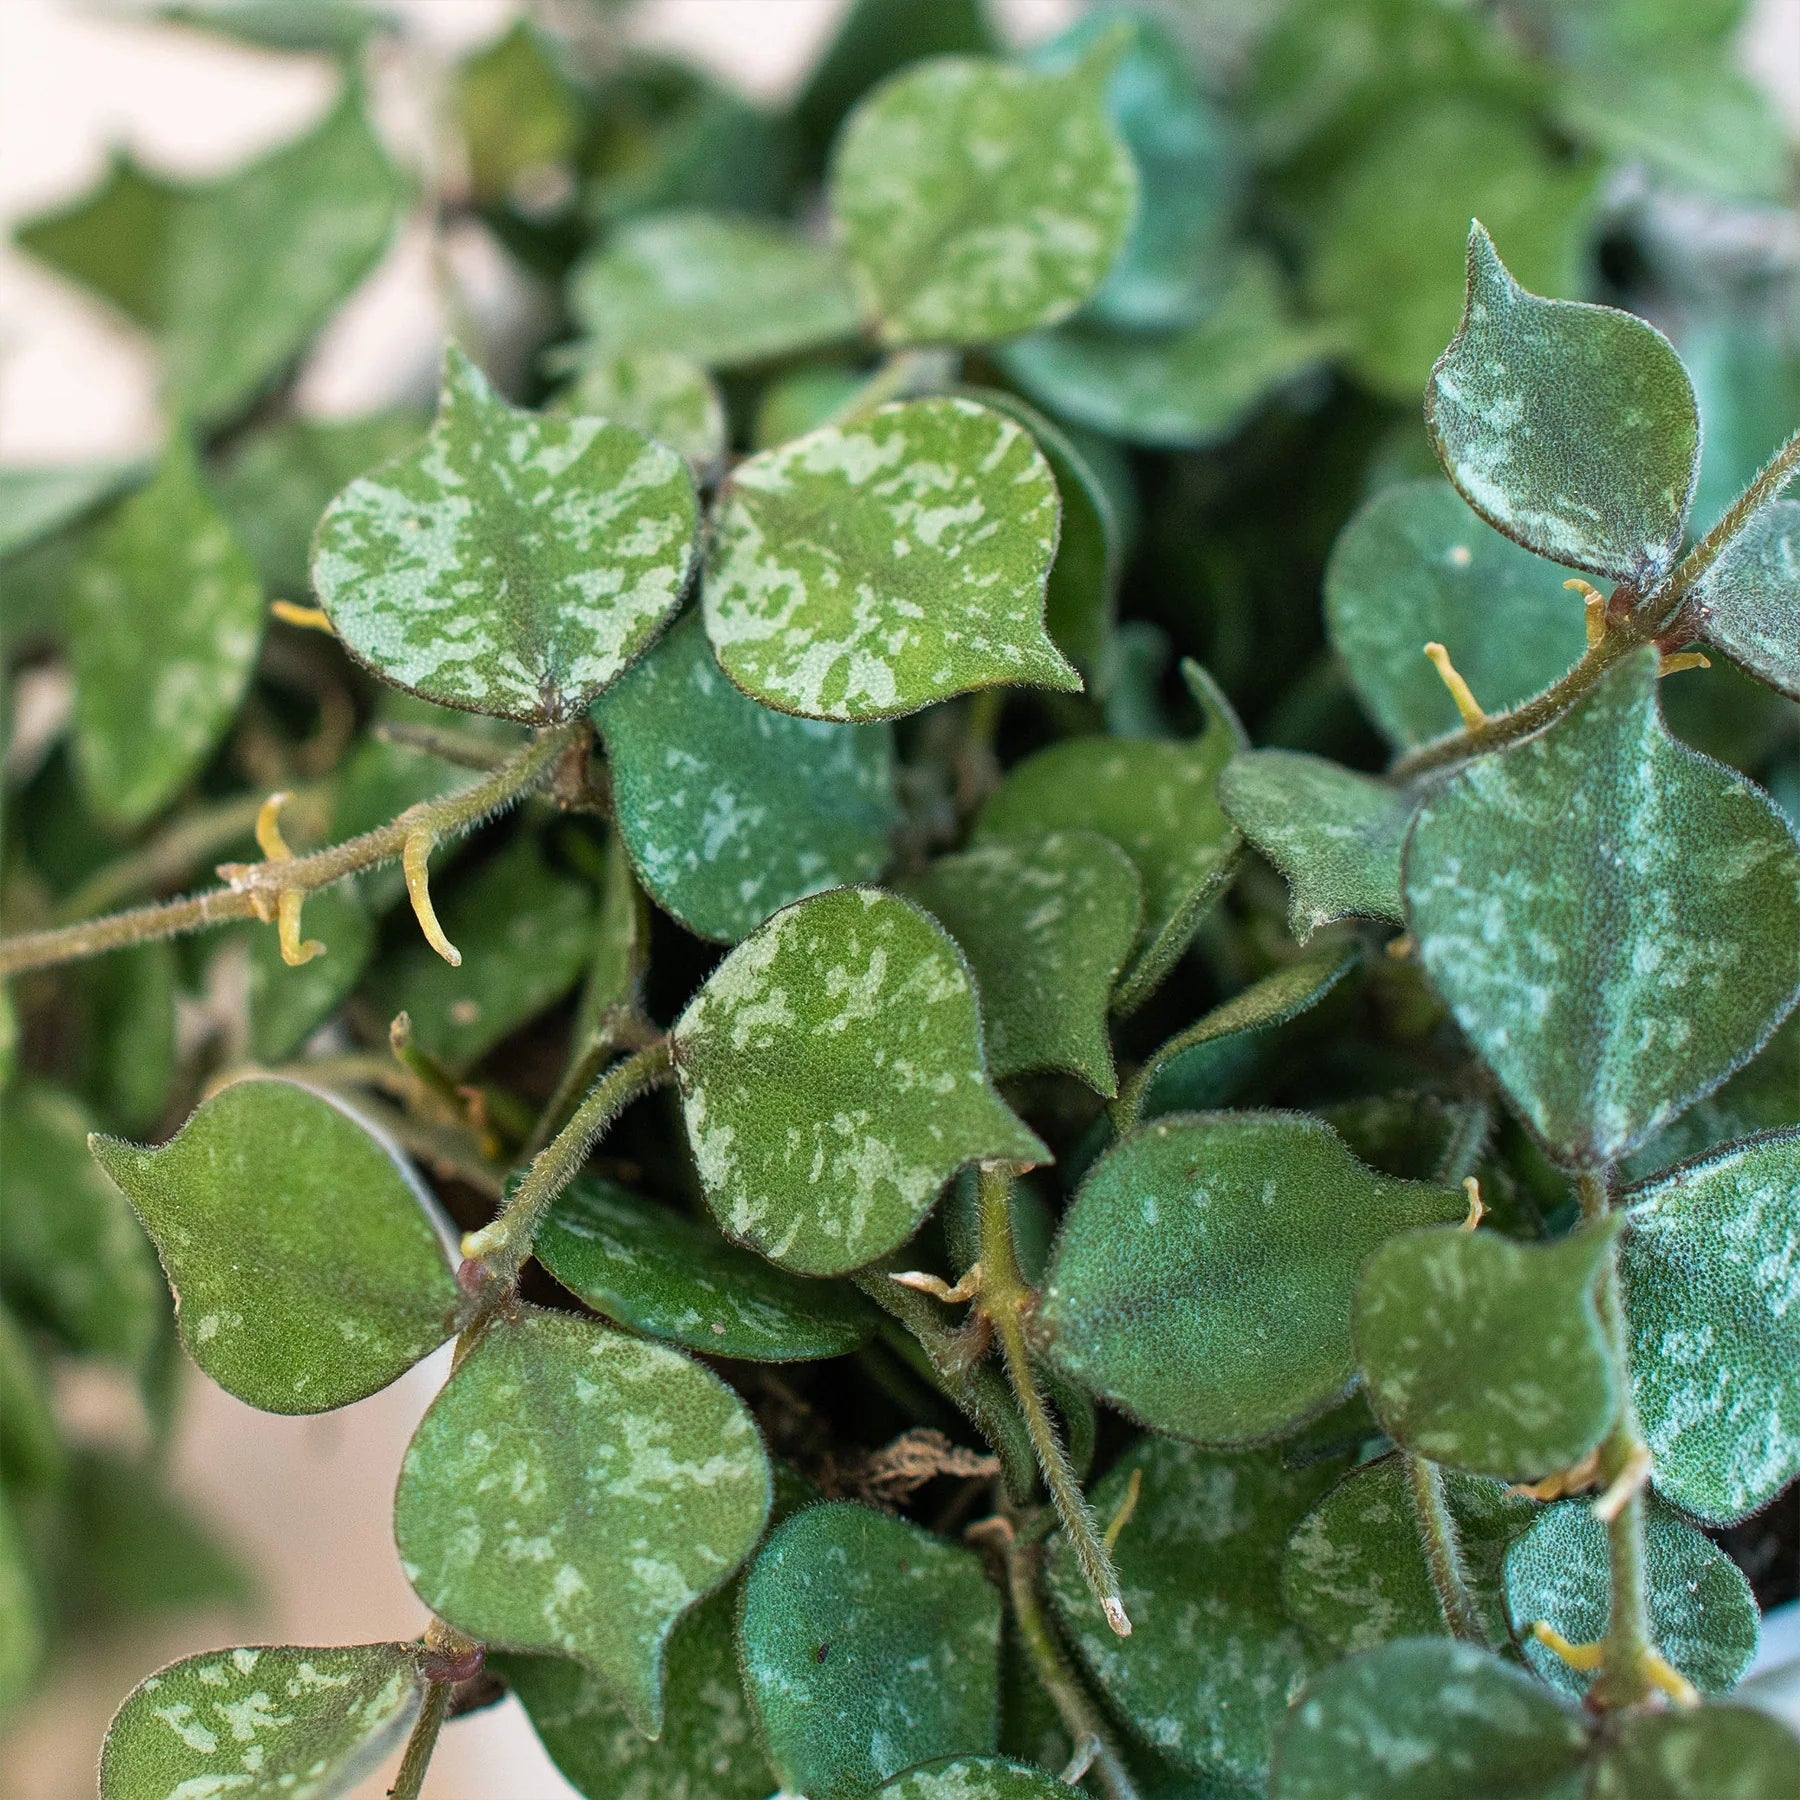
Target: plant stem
{"points": [[502, 1246], [1080, 1717], [1443, 1552], [252, 889], [1767, 483], [410, 1782], [1005, 1296]]}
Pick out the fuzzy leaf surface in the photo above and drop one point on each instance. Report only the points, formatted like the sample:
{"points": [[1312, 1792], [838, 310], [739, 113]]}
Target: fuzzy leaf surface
{"points": [[972, 1778], [1748, 602], [663, 394], [1717, 1753]]}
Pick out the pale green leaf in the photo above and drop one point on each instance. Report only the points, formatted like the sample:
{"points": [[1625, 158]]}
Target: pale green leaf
{"points": [[868, 569], [973, 1778], [731, 810], [1610, 916], [1203, 1279], [1570, 428], [574, 1490], [867, 1646], [1748, 603], [977, 200], [832, 1081], [515, 563], [1487, 1355], [1717, 1753], [663, 394], [165, 616], [721, 290], [304, 1724]]}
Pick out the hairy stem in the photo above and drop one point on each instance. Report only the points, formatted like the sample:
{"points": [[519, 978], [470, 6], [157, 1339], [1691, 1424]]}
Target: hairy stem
{"points": [[1443, 1551], [253, 889], [1767, 483], [1005, 1296], [409, 1783]]}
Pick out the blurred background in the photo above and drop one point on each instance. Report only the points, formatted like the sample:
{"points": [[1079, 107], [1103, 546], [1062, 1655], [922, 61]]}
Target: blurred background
{"points": [[301, 1505]]}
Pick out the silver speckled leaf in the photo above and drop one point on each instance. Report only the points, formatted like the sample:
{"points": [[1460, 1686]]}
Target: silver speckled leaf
{"points": [[666, 396], [866, 570], [515, 563], [1748, 602], [1715, 1753]]}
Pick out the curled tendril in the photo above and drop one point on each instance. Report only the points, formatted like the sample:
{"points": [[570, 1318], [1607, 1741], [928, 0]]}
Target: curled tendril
{"points": [[288, 901], [414, 859]]}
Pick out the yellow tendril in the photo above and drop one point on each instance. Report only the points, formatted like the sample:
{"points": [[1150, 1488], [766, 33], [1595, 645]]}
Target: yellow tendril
{"points": [[1686, 659], [1472, 1188], [1467, 706], [922, 1281], [1401, 948], [1564, 1482], [1670, 1680], [1127, 1507], [1581, 1657], [1629, 1480], [308, 618], [1595, 607], [274, 847], [414, 859]]}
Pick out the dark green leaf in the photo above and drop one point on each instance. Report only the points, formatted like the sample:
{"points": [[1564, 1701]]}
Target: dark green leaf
{"points": [[128, 1029], [1571, 428], [1488, 1355], [289, 1002], [1748, 602], [165, 616], [973, 1778], [621, 953], [21, 1627], [515, 563], [1610, 916], [1719, 1753], [868, 569], [306, 1264], [868, 1645], [666, 396], [731, 810], [1764, 1095], [1204, 1274], [575, 1490], [832, 1078], [1047, 927], [31, 1449]]}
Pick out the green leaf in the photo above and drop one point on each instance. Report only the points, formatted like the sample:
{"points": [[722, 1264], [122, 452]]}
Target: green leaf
{"points": [[1746, 371], [273, 1720], [1334, 835], [1717, 1753], [1047, 927], [868, 569], [1703, 1617], [517, 116], [526, 931], [649, 1268], [1413, 568], [31, 1447], [233, 276], [1203, 1278], [803, 399], [666, 396], [1570, 428], [973, 1778], [307, 1269], [1156, 800], [832, 1081], [1487, 1355], [707, 1750], [1748, 603], [1708, 1264], [576, 1490], [1424, 1720], [1185, 389], [289, 1002], [1390, 225], [721, 290], [731, 810], [1764, 1095], [1609, 915], [75, 1259], [337, 27], [165, 617], [515, 563], [621, 952], [1213, 1660], [37, 503], [867, 1646], [977, 200], [22, 1637], [127, 1003], [1355, 1575]]}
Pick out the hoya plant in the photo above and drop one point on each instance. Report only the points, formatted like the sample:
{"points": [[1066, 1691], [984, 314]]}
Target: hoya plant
{"points": [[1005, 1232]]}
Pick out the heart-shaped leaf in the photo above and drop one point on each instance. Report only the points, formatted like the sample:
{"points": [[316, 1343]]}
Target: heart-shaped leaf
{"points": [[973, 1778], [1355, 1574], [1414, 567], [1420, 1719], [832, 1080], [1715, 1753], [867, 1646], [1047, 926], [666, 396], [275, 1719], [1213, 1660], [868, 569], [1571, 428], [650, 1268], [575, 1490], [976, 200], [1335, 835], [515, 563], [1708, 1262], [1610, 916], [1748, 602], [1703, 1617], [1488, 1355], [731, 810], [306, 1267], [723, 290], [1156, 800], [165, 618], [1203, 1278]]}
